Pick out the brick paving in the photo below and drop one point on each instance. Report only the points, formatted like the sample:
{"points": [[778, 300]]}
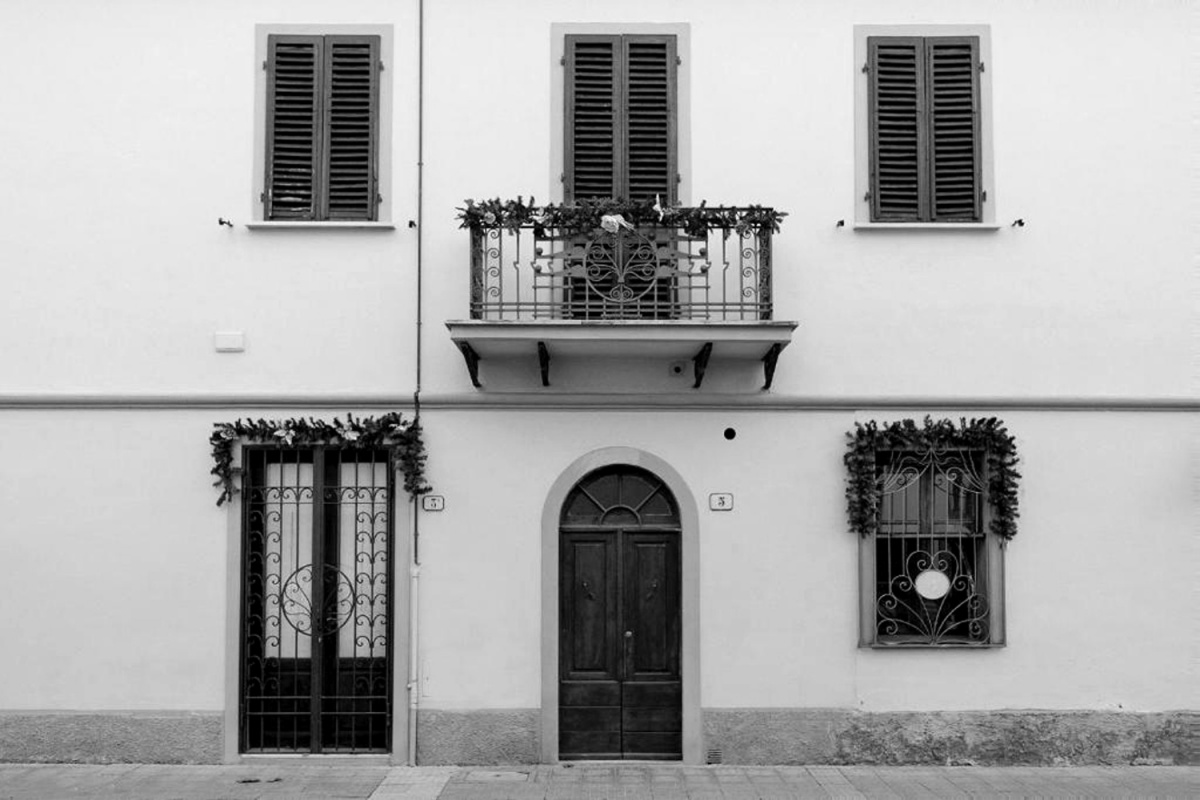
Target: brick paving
{"points": [[583, 781]]}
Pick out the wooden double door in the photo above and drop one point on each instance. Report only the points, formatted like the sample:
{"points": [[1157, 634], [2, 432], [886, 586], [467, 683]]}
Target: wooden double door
{"points": [[620, 691]]}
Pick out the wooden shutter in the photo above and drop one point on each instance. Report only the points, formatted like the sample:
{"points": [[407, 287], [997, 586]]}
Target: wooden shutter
{"points": [[620, 129], [650, 117], [953, 78], [322, 127], [924, 128], [294, 126], [592, 97], [351, 103]]}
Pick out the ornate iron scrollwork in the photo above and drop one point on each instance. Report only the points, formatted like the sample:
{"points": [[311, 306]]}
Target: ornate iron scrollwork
{"points": [[935, 599], [619, 268], [296, 601], [931, 554], [626, 273]]}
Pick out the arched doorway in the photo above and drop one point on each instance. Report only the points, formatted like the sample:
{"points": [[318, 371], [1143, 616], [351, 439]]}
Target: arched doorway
{"points": [[619, 676]]}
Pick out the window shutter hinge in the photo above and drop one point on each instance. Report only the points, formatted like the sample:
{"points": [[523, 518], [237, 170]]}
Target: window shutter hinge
{"points": [[678, 61], [562, 177], [563, 61], [262, 197], [264, 66], [981, 66], [380, 65], [678, 178], [867, 197], [866, 68], [983, 196]]}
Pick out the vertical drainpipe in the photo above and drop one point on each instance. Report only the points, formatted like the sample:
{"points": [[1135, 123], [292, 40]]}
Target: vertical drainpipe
{"points": [[414, 662]]}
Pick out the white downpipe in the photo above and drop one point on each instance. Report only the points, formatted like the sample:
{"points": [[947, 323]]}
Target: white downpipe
{"points": [[414, 569], [414, 677]]}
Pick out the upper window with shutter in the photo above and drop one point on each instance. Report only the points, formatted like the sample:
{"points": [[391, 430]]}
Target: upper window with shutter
{"points": [[621, 117], [927, 158], [322, 128]]}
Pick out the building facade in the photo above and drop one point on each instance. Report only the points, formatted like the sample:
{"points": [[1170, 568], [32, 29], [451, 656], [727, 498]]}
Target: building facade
{"points": [[622, 471]]}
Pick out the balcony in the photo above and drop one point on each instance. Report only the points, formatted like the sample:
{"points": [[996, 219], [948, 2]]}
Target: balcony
{"points": [[620, 280]]}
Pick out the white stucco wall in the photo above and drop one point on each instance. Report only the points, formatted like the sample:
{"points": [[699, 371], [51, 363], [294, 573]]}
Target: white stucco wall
{"points": [[133, 135], [111, 557], [1101, 569], [123, 149], [135, 132]]}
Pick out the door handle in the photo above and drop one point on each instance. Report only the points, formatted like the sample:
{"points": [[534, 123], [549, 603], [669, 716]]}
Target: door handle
{"points": [[628, 634]]}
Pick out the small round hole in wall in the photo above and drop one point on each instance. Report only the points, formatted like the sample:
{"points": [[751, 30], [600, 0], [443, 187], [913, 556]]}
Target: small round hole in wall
{"points": [[730, 434]]}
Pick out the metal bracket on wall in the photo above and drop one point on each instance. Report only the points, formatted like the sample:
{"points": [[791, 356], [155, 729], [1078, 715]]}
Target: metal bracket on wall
{"points": [[700, 362], [472, 359], [544, 362], [769, 361]]}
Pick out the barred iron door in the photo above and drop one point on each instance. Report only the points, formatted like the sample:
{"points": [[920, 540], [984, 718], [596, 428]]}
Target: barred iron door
{"points": [[316, 601]]}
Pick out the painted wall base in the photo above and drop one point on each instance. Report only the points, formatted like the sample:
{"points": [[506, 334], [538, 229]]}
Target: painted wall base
{"points": [[506, 736], [992, 738], [111, 737]]}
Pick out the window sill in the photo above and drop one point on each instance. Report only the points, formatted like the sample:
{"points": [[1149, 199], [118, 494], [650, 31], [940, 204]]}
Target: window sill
{"points": [[942, 646], [927, 226], [319, 226]]}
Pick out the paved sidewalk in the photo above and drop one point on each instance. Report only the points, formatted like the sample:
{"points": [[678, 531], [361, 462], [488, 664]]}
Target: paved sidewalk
{"points": [[584, 782]]}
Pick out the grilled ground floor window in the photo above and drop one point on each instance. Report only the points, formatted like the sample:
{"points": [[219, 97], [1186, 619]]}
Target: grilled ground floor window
{"points": [[932, 573], [316, 605]]}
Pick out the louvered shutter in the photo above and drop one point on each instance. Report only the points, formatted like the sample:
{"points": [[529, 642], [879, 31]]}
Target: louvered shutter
{"points": [[294, 127], [924, 128], [897, 111], [593, 97], [351, 102], [322, 127], [953, 77], [620, 98], [650, 117]]}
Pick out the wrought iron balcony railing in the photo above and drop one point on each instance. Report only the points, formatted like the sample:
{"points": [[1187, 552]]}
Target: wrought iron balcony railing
{"points": [[714, 265]]}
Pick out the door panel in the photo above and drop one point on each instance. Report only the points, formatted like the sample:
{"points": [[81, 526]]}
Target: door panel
{"points": [[651, 567], [588, 600]]}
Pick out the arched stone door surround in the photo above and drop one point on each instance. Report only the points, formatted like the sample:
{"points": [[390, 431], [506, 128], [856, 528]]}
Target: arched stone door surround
{"points": [[689, 591]]}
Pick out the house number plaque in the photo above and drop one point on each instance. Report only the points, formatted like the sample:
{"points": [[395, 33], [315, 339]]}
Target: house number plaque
{"points": [[720, 501]]}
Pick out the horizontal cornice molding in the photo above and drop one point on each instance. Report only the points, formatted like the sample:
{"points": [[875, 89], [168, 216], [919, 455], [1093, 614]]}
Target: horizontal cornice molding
{"points": [[681, 401], [118, 400]]}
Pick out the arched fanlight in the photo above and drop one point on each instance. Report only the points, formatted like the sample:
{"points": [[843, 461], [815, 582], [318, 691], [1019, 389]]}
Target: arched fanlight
{"points": [[620, 496]]}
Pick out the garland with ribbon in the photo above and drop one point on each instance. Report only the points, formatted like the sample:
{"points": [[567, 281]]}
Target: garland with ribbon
{"points": [[401, 438], [585, 216], [987, 436]]}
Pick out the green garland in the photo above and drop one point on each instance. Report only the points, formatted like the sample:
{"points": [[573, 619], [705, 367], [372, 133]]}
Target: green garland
{"points": [[584, 216], [401, 438], [988, 436]]}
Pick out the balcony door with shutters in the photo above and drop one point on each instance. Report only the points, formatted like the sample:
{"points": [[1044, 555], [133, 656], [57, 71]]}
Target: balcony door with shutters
{"points": [[621, 101], [621, 109], [620, 687]]}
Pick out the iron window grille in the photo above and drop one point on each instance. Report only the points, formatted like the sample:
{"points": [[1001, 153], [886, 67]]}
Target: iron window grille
{"points": [[932, 574]]}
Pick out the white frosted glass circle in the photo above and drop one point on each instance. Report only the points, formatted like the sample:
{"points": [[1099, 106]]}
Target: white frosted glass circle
{"points": [[932, 584]]}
